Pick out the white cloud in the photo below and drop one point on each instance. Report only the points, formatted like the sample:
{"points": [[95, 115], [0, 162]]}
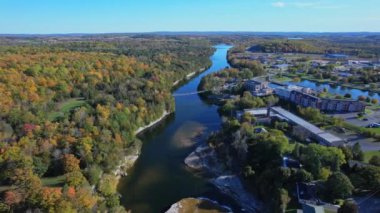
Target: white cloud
{"points": [[308, 4], [278, 4]]}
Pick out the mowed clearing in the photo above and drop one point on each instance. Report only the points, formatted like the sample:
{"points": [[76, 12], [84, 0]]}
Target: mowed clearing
{"points": [[65, 107]]}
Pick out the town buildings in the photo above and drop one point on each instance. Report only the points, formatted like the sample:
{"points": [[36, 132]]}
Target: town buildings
{"points": [[281, 67], [305, 97], [308, 130], [258, 88]]}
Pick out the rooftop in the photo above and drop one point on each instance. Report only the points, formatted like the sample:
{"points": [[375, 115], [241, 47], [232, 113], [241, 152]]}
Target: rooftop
{"points": [[327, 137], [330, 137], [299, 121], [261, 111]]}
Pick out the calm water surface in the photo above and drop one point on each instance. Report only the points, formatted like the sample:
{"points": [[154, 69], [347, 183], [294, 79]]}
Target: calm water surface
{"points": [[336, 90], [160, 177]]}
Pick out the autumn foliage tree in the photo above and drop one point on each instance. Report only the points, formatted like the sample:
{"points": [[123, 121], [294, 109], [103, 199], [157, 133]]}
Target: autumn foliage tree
{"points": [[72, 108]]}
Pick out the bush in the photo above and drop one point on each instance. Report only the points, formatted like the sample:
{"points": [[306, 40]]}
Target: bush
{"points": [[93, 174], [375, 160], [338, 186]]}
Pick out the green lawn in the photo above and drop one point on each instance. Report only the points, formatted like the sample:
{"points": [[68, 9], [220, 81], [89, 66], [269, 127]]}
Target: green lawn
{"points": [[53, 181], [282, 79], [370, 154], [65, 107], [50, 182], [374, 107], [374, 130], [5, 188], [368, 111]]}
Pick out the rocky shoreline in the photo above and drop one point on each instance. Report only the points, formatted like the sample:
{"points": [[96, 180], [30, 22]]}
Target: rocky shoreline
{"points": [[141, 129], [201, 205], [204, 160], [130, 159], [232, 186], [127, 163]]}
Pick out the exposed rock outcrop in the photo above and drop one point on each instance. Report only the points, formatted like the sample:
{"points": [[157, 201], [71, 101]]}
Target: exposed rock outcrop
{"points": [[199, 205], [233, 187], [204, 159], [127, 163], [141, 129]]}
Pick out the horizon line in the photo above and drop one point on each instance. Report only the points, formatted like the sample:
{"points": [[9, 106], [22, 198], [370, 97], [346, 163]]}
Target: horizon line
{"points": [[188, 32]]}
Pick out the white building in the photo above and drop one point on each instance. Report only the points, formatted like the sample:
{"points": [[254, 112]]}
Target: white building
{"points": [[284, 92]]}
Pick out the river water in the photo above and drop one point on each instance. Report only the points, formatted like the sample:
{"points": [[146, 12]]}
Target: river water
{"points": [[339, 90], [159, 177]]}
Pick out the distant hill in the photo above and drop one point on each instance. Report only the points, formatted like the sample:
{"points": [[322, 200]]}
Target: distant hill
{"points": [[288, 46]]}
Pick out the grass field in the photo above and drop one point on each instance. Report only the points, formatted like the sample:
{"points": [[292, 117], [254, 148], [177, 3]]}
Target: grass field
{"points": [[50, 182], [374, 130], [5, 188], [370, 154], [53, 181], [282, 79], [65, 107], [368, 111]]}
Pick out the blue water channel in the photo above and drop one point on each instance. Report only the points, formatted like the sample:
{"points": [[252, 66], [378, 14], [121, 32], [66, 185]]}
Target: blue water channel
{"points": [[160, 178]]}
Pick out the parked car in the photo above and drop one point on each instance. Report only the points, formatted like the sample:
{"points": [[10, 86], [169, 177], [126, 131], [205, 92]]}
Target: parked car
{"points": [[373, 125]]}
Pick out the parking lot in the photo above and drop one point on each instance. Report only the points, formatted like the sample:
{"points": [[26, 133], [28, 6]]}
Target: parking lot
{"points": [[367, 144], [367, 119]]}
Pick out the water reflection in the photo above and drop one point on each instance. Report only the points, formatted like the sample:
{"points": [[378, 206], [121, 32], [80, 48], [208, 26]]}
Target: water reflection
{"points": [[339, 90]]}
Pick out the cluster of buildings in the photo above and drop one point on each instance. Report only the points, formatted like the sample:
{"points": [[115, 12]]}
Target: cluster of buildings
{"points": [[273, 60], [344, 65], [308, 130], [306, 97], [346, 68], [258, 88]]}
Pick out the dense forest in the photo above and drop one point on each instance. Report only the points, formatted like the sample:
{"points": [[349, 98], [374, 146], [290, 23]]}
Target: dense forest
{"points": [[286, 47], [366, 46], [69, 110]]}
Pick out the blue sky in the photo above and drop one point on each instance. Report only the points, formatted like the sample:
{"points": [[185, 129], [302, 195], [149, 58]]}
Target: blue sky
{"points": [[105, 16]]}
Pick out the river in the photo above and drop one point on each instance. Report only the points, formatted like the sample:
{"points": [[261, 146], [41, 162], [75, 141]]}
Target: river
{"points": [[159, 177]]}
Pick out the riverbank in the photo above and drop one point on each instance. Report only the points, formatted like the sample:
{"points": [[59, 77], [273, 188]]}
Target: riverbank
{"points": [[331, 83], [141, 129], [129, 160], [199, 205], [189, 76], [204, 160], [166, 146]]}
